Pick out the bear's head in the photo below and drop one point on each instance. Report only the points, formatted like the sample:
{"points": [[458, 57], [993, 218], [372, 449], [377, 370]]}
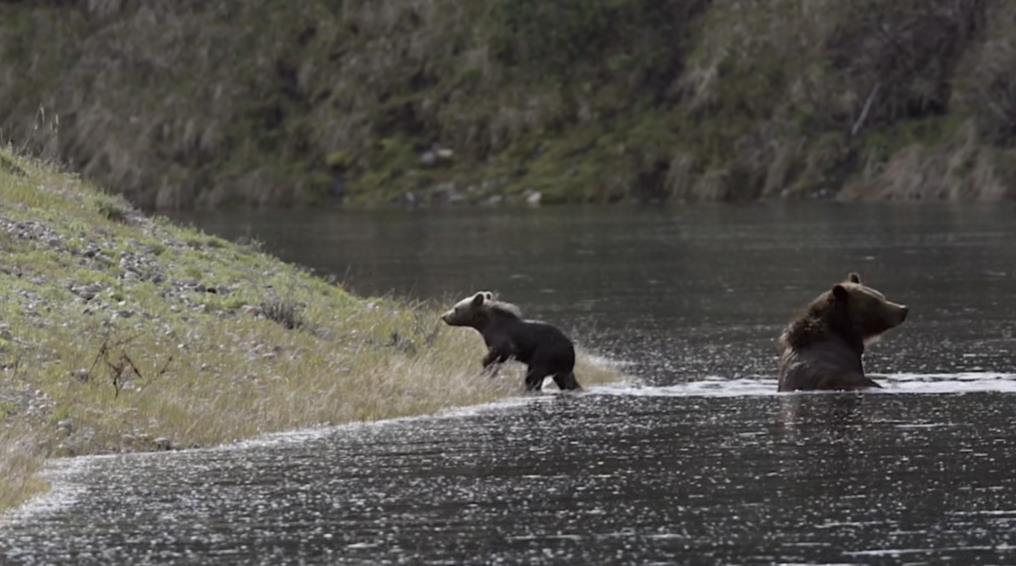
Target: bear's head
{"points": [[472, 311], [868, 311]]}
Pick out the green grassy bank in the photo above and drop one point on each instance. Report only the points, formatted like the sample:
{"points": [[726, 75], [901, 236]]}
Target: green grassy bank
{"points": [[119, 332], [179, 104]]}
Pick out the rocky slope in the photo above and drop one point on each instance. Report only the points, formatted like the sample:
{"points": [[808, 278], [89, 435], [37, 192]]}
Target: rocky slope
{"points": [[189, 103]]}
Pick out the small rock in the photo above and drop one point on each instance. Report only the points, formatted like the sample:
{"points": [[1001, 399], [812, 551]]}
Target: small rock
{"points": [[66, 426], [428, 158], [163, 443], [445, 193], [87, 292], [81, 375], [534, 198], [93, 289], [444, 154]]}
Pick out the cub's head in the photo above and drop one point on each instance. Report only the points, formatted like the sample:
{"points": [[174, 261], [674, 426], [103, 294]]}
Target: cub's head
{"points": [[869, 312], [471, 311]]}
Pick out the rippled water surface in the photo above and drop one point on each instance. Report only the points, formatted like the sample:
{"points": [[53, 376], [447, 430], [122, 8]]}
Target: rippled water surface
{"points": [[698, 460]]}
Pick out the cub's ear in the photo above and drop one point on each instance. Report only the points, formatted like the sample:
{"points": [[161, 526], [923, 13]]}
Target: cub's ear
{"points": [[840, 293], [854, 277], [478, 299]]}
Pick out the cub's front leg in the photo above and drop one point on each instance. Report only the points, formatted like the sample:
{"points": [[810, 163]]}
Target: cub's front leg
{"points": [[493, 360]]}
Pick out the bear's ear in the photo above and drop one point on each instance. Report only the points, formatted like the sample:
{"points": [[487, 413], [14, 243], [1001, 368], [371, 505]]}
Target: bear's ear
{"points": [[487, 295], [840, 293], [854, 277], [478, 299]]}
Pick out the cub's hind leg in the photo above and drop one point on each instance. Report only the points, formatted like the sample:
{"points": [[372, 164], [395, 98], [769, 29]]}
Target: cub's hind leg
{"points": [[566, 381], [534, 377]]}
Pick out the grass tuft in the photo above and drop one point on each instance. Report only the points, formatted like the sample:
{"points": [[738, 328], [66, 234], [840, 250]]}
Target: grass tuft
{"points": [[20, 459], [112, 209], [283, 311]]}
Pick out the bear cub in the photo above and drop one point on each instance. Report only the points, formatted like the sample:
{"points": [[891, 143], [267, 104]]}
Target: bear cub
{"points": [[822, 349], [542, 347]]}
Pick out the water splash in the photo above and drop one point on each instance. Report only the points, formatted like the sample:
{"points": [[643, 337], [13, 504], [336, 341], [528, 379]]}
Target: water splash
{"points": [[708, 387], [945, 383], [896, 383]]}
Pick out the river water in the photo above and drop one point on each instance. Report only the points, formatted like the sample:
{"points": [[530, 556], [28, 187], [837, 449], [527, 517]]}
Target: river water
{"points": [[698, 460]]}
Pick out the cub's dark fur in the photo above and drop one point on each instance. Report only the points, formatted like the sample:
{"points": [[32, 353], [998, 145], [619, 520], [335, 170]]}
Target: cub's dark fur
{"points": [[542, 347]]}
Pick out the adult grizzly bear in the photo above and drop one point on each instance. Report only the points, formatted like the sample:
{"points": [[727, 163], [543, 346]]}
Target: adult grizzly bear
{"points": [[822, 349], [542, 347]]}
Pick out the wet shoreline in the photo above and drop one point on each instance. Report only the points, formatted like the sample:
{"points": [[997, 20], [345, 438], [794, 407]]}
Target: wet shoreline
{"points": [[801, 476]]}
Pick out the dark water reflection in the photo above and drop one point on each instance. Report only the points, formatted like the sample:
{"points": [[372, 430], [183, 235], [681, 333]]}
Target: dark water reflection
{"points": [[684, 293], [827, 478], [703, 463]]}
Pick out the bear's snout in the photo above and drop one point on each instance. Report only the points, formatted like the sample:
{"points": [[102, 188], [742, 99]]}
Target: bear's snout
{"points": [[451, 318]]}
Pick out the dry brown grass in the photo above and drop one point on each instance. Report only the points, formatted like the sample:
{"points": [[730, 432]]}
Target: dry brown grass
{"points": [[20, 459]]}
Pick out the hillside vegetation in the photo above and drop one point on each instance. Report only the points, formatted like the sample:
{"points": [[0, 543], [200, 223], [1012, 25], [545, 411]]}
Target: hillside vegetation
{"points": [[120, 333], [192, 103]]}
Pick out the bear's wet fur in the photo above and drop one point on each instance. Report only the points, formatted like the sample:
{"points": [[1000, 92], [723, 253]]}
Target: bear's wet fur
{"points": [[542, 347], [822, 349]]}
